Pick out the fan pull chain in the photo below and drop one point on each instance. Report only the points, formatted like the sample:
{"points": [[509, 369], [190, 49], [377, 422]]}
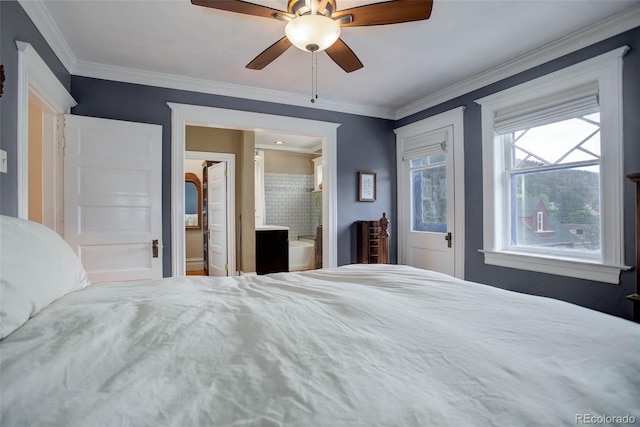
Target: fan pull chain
{"points": [[314, 76]]}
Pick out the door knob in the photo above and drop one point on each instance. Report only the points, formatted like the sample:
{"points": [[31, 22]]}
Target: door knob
{"points": [[154, 247], [448, 238]]}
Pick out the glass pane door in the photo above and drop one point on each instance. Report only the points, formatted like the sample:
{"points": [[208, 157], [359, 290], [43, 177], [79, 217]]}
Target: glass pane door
{"points": [[429, 193]]}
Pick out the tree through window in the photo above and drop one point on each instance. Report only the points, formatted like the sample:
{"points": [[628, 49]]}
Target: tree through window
{"points": [[555, 176]]}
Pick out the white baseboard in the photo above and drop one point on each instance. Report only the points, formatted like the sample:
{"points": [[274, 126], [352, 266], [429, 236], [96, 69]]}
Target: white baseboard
{"points": [[195, 264]]}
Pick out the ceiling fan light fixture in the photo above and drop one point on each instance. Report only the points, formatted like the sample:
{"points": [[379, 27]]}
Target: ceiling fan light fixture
{"points": [[312, 33]]}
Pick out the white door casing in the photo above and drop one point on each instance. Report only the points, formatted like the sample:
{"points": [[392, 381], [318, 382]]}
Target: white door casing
{"points": [[217, 224], [183, 115], [35, 78], [428, 244], [440, 134], [113, 197]]}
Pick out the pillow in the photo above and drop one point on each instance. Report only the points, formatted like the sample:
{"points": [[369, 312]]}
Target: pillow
{"points": [[36, 267]]}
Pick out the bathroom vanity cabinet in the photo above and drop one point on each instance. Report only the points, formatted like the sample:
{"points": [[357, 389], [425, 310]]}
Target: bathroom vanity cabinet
{"points": [[272, 249]]}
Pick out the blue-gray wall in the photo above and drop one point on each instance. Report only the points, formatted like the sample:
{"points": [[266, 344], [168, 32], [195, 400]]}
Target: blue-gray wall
{"points": [[363, 144], [599, 296]]}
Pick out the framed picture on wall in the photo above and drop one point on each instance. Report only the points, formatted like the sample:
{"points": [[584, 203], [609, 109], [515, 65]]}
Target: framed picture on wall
{"points": [[366, 187]]}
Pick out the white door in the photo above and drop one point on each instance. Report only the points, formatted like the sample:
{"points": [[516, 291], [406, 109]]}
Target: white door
{"points": [[429, 210], [217, 219], [113, 197]]}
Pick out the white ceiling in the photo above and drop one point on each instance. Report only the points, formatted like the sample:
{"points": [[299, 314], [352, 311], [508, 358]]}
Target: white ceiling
{"points": [[403, 63]]}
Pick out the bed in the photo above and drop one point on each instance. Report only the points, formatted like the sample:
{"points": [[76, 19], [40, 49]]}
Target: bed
{"points": [[358, 345]]}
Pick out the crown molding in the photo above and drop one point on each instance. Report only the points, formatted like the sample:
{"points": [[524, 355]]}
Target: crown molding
{"points": [[39, 78], [616, 24], [148, 78], [39, 14]]}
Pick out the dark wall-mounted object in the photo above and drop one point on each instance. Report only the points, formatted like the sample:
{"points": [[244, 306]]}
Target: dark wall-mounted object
{"points": [[2, 78], [635, 298]]}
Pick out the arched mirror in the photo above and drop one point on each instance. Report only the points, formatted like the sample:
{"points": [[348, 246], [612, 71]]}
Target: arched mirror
{"points": [[192, 201]]}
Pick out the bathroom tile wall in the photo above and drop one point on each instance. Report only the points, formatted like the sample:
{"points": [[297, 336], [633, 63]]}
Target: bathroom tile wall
{"points": [[288, 202]]}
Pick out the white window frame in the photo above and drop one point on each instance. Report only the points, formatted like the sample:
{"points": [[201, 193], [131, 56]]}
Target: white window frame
{"points": [[605, 71]]}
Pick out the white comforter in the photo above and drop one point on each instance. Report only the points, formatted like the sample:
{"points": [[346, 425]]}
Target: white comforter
{"points": [[352, 346]]}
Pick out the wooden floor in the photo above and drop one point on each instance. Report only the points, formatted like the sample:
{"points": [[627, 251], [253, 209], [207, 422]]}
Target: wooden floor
{"points": [[196, 273]]}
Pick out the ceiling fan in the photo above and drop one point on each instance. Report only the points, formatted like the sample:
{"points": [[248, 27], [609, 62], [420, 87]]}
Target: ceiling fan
{"points": [[314, 25]]}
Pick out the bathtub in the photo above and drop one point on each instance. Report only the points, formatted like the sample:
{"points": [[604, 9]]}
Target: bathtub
{"points": [[302, 255]]}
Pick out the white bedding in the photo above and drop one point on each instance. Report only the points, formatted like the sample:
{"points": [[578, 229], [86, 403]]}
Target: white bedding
{"points": [[352, 346]]}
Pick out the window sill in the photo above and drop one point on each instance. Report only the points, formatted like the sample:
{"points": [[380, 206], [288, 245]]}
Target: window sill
{"points": [[559, 266]]}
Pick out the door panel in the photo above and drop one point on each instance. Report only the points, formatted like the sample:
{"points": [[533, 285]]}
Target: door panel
{"points": [[217, 219], [428, 259], [428, 170], [113, 197]]}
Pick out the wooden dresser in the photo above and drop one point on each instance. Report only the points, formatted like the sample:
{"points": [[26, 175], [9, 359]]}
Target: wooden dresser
{"points": [[373, 241], [368, 241]]}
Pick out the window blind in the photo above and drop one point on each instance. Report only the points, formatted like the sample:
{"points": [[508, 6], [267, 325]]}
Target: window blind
{"points": [[567, 105], [426, 144]]}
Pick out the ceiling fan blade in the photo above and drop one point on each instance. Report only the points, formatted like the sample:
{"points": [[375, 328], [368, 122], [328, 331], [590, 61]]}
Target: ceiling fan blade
{"points": [[344, 56], [387, 12], [269, 54], [240, 6]]}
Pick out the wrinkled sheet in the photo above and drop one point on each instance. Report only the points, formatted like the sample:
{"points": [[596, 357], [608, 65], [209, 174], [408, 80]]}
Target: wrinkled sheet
{"points": [[352, 346]]}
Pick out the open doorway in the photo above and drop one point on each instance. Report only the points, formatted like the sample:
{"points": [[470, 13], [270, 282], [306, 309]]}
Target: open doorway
{"points": [[288, 191], [44, 165], [189, 115], [193, 240], [201, 240], [286, 171], [42, 102]]}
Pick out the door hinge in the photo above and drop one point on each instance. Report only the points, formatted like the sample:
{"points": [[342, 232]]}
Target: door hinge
{"points": [[226, 267], [60, 135], [448, 238]]}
